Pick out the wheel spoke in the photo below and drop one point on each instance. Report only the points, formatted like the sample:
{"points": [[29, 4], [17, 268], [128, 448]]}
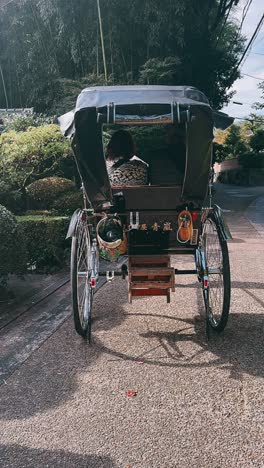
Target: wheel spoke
{"points": [[214, 261], [81, 303], [215, 271], [82, 255]]}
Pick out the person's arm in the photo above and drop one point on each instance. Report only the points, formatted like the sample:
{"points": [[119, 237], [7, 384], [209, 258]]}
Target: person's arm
{"points": [[136, 158]]}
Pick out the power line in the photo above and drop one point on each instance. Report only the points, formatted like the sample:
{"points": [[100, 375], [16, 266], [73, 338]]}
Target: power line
{"points": [[247, 49], [5, 4], [241, 103], [253, 38], [251, 76], [244, 14], [260, 40], [224, 23], [250, 120]]}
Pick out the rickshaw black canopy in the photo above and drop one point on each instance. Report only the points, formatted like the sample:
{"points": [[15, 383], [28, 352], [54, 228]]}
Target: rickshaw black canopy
{"points": [[144, 105]]}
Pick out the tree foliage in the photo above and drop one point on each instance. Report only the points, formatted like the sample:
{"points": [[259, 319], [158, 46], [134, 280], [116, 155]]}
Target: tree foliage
{"points": [[257, 141], [234, 144], [31, 155], [260, 104], [23, 122], [50, 49], [243, 142]]}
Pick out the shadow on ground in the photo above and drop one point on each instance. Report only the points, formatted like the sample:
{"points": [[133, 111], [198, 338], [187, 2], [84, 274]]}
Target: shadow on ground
{"points": [[16, 456], [239, 349], [51, 376]]}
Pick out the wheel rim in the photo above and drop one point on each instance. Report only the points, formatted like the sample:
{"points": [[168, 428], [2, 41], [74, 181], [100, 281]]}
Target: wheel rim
{"points": [[84, 291], [214, 263]]}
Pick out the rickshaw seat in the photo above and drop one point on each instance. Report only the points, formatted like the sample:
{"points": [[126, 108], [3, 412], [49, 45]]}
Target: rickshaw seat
{"points": [[150, 197], [164, 171]]}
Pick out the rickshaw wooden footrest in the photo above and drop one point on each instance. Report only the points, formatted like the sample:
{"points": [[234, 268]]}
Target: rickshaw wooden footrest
{"points": [[149, 261], [148, 292], [143, 285], [151, 276]]}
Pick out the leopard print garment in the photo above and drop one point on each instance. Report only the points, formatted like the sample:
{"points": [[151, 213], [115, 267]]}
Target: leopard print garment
{"points": [[133, 172]]}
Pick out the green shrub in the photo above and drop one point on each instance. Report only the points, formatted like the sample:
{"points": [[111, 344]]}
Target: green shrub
{"points": [[256, 141], [67, 203], [47, 248], [43, 192], [37, 153], [11, 199], [22, 122], [39, 213], [12, 246]]}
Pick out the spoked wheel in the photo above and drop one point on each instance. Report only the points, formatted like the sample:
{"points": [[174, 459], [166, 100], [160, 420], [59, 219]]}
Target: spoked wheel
{"points": [[81, 276], [217, 294]]}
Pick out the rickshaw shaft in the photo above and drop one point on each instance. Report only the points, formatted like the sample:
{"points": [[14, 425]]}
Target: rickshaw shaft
{"points": [[177, 272]]}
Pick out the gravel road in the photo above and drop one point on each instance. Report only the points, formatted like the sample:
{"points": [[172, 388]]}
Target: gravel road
{"points": [[197, 404]]}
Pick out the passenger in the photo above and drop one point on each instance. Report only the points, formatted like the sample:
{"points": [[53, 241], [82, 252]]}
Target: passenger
{"points": [[124, 168]]}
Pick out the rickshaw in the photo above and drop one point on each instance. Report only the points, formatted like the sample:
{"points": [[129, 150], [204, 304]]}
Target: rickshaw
{"points": [[158, 221]]}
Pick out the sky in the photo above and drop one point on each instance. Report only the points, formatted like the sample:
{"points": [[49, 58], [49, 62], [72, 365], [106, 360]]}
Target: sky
{"points": [[246, 88]]}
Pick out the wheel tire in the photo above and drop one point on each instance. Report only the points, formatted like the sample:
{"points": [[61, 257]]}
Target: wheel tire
{"points": [[218, 323], [82, 325]]}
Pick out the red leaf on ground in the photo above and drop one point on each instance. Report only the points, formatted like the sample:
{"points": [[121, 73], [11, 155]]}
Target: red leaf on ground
{"points": [[131, 393]]}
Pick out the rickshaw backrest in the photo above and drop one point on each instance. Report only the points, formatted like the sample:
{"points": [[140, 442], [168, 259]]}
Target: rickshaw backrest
{"points": [[150, 197]]}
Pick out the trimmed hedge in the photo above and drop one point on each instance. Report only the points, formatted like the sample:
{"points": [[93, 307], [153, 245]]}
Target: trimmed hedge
{"points": [[68, 202], [47, 248], [12, 246], [43, 192]]}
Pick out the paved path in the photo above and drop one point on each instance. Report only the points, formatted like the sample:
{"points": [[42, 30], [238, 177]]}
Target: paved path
{"points": [[198, 404], [255, 213]]}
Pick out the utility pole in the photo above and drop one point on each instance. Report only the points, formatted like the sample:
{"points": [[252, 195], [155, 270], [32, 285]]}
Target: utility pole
{"points": [[3, 81], [102, 39], [97, 51]]}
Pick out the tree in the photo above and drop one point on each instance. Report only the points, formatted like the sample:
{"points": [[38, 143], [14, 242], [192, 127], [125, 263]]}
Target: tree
{"points": [[171, 42], [230, 143], [257, 141], [158, 71], [219, 153], [254, 157], [234, 144], [260, 105], [220, 136]]}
